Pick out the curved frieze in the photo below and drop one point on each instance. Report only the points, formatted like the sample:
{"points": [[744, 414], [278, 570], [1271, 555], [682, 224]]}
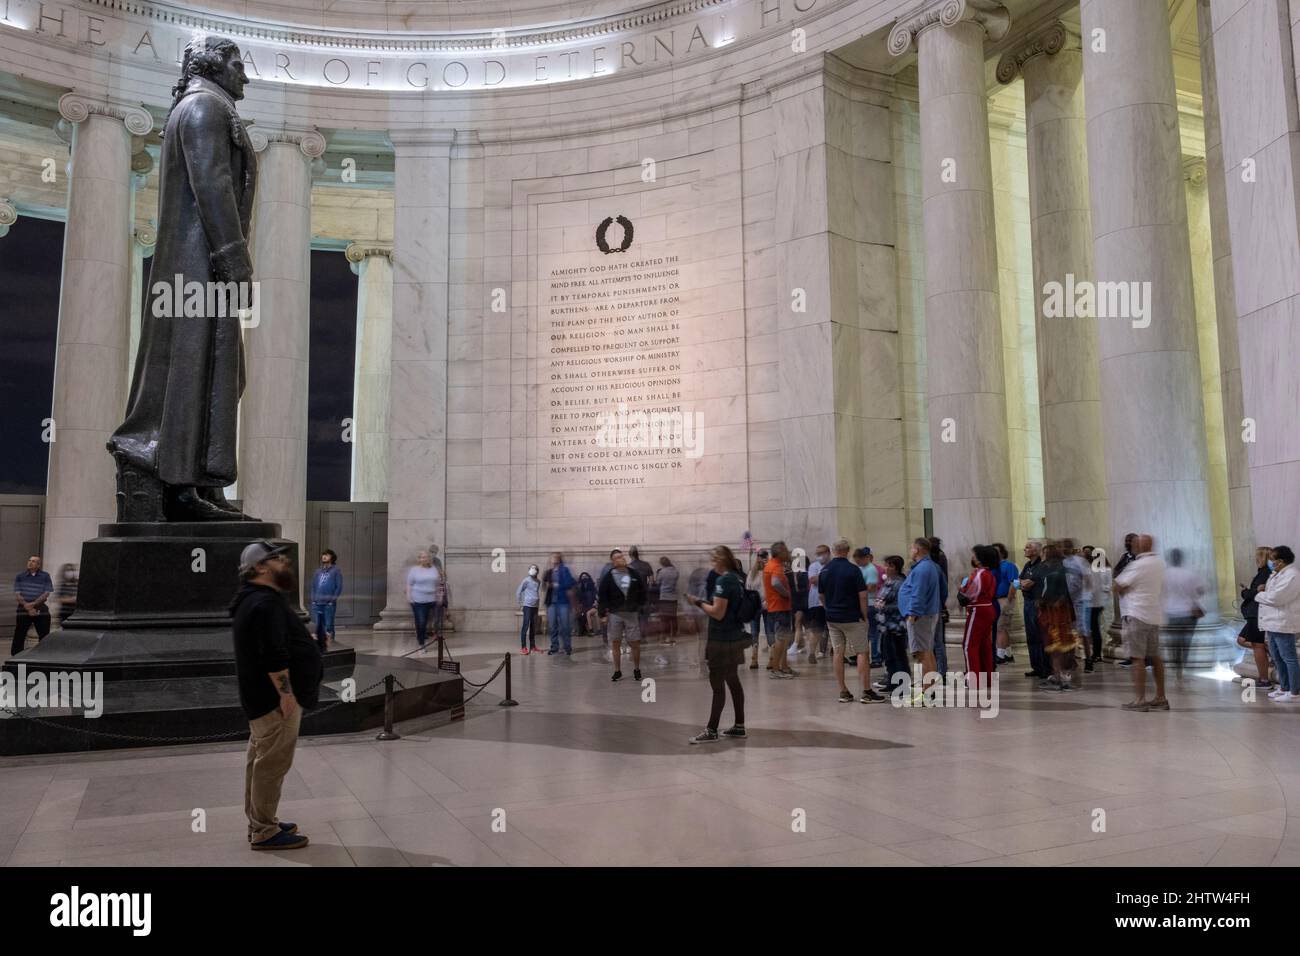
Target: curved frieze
{"points": [[151, 35]]}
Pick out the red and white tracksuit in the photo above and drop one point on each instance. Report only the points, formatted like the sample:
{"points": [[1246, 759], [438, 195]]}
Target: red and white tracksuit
{"points": [[977, 642]]}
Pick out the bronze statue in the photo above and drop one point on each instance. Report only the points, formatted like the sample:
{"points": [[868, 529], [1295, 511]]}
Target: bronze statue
{"points": [[176, 449]]}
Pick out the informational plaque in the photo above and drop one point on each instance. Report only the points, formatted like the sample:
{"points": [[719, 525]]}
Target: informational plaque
{"points": [[612, 324]]}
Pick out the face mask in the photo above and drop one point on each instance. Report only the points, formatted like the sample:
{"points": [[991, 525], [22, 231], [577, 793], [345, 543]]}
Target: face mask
{"points": [[1271, 565], [532, 571]]}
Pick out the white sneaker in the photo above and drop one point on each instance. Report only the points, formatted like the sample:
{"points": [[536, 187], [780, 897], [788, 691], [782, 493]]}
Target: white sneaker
{"points": [[1275, 694], [1286, 697]]}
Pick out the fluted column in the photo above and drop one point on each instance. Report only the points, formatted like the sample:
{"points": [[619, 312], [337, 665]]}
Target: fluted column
{"points": [[90, 365], [969, 472], [417, 416], [1074, 474], [273, 423], [1259, 117], [1225, 311], [373, 265], [1155, 447]]}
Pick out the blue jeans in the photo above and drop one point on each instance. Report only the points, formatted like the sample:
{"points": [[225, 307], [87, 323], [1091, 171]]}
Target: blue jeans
{"points": [[322, 615], [528, 628], [421, 612], [559, 622], [873, 633], [940, 645], [1037, 656], [1282, 649]]}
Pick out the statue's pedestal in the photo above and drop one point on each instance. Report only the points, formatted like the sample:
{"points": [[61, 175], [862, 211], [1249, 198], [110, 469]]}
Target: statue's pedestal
{"points": [[153, 602], [153, 619]]}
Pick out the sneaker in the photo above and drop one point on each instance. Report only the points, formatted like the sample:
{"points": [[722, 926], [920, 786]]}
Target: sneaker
{"points": [[1141, 706], [1264, 685], [918, 699], [1284, 697], [1162, 704], [879, 685], [636, 674], [552, 652], [1275, 694], [618, 676], [524, 651], [1087, 666], [737, 731], [1125, 663], [845, 697], [871, 697], [708, 737], [284, 840], [787, 672], [775, 675], [288, 827], [1068, 686], [1009, 659]]}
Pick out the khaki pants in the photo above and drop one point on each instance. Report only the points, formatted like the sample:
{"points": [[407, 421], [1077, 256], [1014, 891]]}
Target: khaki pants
{"points": [[270, 755]]}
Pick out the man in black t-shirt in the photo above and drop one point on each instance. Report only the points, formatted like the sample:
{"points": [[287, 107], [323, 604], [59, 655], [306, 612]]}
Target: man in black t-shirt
{"points": [[279, 669]]}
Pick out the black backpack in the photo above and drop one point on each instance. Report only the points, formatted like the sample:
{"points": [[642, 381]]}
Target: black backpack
{"points": [[751, 605]]}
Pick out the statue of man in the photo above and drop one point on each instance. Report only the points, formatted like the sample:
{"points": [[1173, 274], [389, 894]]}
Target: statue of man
{"points": [[176, 450]]}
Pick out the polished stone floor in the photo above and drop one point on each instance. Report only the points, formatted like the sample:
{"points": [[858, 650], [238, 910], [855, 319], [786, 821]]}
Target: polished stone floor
{"points": [[586, 772]]}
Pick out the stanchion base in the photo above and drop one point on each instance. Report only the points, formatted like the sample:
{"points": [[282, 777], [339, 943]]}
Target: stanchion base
{"points": [[508, 702], [382, 735]]}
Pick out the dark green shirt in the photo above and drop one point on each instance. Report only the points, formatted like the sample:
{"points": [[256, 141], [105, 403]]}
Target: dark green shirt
{"points": [[729, 628]]}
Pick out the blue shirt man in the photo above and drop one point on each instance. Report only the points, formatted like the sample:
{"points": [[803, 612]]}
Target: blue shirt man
{"points": [[32, 589], [326, 586], [920, 593], [840, 583], [1007, 573]]}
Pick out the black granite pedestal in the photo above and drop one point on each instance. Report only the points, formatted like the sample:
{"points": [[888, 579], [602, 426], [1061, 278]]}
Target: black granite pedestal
{"points": [[153, 619]]}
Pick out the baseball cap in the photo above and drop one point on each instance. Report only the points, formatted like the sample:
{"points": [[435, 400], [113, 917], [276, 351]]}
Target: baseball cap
{"points": [[861, 552], [258, 552]]}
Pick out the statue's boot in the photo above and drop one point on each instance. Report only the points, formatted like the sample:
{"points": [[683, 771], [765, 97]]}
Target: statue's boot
{"points": [[185, 504], [140, 494], [218, 498]]}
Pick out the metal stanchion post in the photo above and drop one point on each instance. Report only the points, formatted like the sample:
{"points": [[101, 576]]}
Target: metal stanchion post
{"points": [[509, 700], [387, 733], [440, 649]]}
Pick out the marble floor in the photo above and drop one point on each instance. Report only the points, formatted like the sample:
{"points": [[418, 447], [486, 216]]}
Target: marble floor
{"points": [[587, 772]]}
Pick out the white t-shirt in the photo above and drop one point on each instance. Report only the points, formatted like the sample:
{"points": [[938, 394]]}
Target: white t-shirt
{"points": [[1144, 598], [623, 579]]}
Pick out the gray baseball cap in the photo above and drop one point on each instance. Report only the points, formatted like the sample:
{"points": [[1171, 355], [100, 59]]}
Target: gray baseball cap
{"points": [[259, 551]]}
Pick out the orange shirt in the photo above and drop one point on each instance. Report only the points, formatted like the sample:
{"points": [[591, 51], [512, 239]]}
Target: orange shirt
{"points": [[775, 602]]}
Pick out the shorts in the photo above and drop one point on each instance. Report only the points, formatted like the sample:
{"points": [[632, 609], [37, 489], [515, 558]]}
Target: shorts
{"points": [[815, 618], [624, 626], [852, 634], [777, 625], [724, 655], [1140, 638], [920, 634]]}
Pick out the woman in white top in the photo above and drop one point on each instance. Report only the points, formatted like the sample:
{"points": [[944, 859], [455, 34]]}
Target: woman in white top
{"points": [[1279, 618], [423, 588]]}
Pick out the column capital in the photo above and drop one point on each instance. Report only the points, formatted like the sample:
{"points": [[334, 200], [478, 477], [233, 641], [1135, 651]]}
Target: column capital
{"points": [[77, 108], [309, 141], [1194, 170], [358, 252], [8, 216], [146, 237], [1047, 40], [989, 14]]}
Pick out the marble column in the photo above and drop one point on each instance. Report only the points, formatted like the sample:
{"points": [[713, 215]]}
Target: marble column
{"points": [[969, 471], [90, 371], [417, 416], [1154, 423], [1074, 475], [144, 237], [1225, 311], [373, 265], [1259, 120], [273, 423]]}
